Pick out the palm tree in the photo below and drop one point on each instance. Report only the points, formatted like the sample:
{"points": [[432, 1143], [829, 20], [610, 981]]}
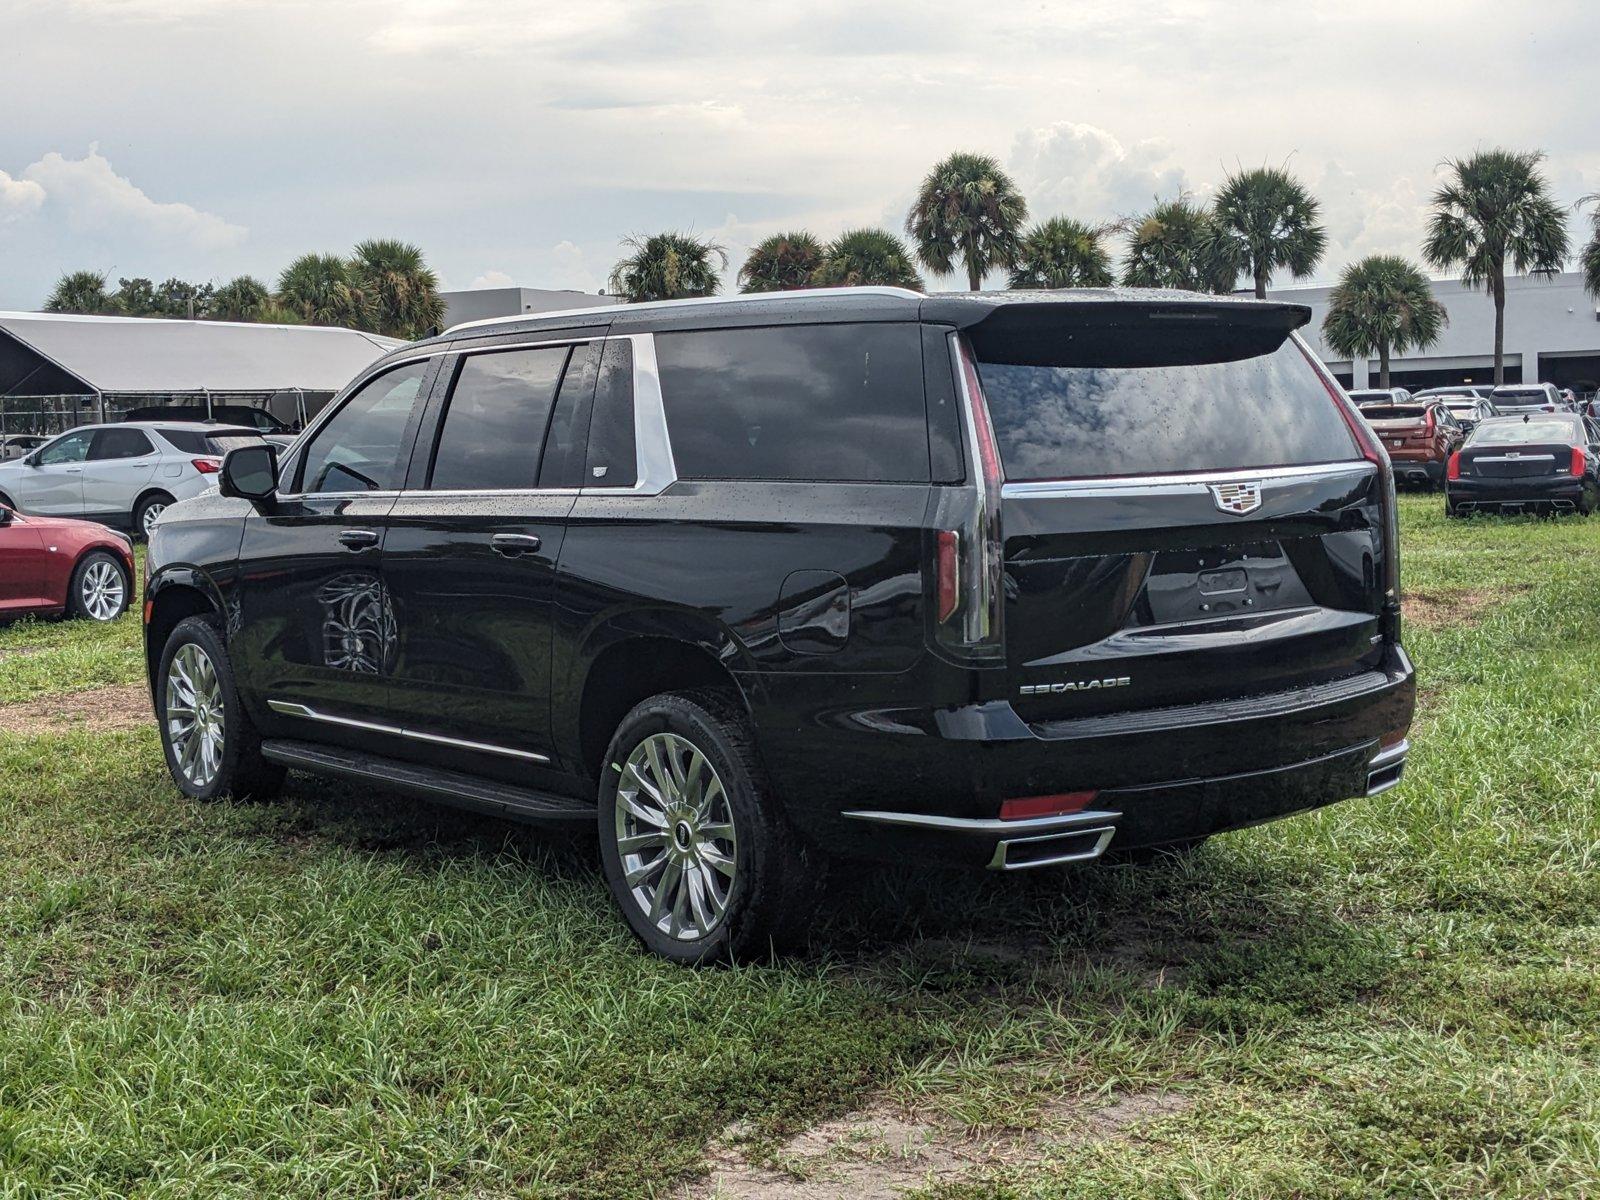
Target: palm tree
{"points": [[669, 266], [240, 299], [1062, 253], [1589, 259], [1382, 304], [1266, 220], [781, 263], [1495, 207], [867, 257], [967, 208], [1176, 245], [79, 292], [401, 290], [320, 290]]}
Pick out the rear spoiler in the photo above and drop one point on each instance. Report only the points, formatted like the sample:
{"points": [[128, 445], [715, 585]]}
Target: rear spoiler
{"points": [[1055, 329]]}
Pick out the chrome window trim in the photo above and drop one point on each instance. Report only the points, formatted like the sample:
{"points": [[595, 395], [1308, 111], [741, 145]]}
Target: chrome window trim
{"points": [[1163, 485], [290, 708], [1516, 458]]}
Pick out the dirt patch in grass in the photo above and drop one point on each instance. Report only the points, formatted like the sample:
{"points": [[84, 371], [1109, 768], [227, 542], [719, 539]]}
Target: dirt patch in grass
{"points": [[883, 1151], [1435, 610], [102, 710]]}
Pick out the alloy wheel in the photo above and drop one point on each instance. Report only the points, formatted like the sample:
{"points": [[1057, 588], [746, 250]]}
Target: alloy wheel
{"points": [[195, 724], [675, 836], [102, 590], [151, 512]]}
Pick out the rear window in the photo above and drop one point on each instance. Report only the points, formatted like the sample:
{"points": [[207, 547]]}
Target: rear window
{"points": [[1513, 432], [1393, 412], [828, 402], [1065, 422]]}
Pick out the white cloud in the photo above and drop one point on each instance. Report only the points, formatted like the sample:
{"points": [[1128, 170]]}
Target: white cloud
{"points": [[1086, 172], [18, 197], [491, 279], [569, 268], [95, 200]]}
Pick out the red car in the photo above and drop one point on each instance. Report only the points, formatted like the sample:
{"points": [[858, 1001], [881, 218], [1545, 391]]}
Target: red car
{"points": [[52, 564], [1420, 438]]}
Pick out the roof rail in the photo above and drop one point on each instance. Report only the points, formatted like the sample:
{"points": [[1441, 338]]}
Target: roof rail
{"points": [[652, 305]]}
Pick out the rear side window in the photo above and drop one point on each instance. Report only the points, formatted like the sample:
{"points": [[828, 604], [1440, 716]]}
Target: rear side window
{"points": [[494, 424], [826, 402], [120, 443], [1068, 422], [192, 441]]}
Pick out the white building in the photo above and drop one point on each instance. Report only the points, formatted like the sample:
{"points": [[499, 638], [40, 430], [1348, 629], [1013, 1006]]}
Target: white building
{"points": [[479, 304], [1552, 336]]}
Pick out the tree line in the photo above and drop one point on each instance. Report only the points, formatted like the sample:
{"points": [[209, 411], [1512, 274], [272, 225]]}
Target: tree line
{"points": [[1492, 216], [383, 286]]}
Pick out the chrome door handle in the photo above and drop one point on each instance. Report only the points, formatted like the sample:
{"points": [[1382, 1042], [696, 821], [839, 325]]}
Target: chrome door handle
{"points": [[514, 545], [358, 539]]}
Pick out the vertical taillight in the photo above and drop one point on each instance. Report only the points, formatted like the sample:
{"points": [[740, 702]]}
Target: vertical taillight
{"points": [[1580, 463], [1429, 424], [968, 547], [1453, 467], [1372, 450]]}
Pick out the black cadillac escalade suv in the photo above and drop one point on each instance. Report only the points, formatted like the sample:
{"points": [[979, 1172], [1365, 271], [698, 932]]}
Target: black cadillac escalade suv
{"points": [[998, 580]]}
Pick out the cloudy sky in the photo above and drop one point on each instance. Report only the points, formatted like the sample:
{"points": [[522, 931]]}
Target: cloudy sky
{"points": [[518, 141]]}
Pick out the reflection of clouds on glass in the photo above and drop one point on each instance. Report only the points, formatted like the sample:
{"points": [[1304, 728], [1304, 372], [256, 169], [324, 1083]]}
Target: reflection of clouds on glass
{"points": [[358, 627], [1064, 422]]}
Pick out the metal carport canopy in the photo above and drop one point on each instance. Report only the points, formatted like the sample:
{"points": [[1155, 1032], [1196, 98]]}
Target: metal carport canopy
{"points": [[137, 354]]}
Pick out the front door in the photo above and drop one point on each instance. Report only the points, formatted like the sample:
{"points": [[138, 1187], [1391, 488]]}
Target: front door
{"points": [[22, 564], [315, 625], [53, 485], [471, 552]]}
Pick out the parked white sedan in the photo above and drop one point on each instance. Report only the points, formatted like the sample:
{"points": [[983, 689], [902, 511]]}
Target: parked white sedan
{"points": [[121, 475]]}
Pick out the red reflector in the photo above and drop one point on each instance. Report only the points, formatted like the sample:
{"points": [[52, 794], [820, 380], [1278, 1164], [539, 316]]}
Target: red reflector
{"points": [[206, 466], [1453, 471], [148, 605], [1393, 737], [947, 570], [1579, 462], [1045, 806]]}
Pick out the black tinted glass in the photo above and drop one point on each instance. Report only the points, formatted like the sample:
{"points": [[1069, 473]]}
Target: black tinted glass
{"points": [[612, 454], [833, 402], [1071, 422], [562, 464], [186, 440], [495, 422], [120, 443], [358, 450]]}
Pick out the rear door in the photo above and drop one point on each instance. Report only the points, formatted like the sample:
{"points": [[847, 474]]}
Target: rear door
{"points": [[470, 557], [121, 462], [1186, 515]]}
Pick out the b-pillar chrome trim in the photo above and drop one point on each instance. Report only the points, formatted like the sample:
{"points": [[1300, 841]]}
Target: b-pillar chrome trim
{"points": [[290, 709]]}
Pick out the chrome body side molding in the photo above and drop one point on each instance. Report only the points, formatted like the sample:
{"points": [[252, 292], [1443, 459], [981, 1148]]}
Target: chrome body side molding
{"points": [[304, 711]]}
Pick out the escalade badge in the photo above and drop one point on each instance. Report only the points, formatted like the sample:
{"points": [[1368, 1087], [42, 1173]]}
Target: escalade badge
{"points": [[1237, 498], [1078, 685]]}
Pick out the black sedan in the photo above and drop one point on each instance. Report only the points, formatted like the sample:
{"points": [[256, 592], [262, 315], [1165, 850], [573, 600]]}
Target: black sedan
{"points": [[1540, 461]]}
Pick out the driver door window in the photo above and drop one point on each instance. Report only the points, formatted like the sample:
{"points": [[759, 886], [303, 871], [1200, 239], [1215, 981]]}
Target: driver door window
{"points": [[73, 448], [359, 449]]}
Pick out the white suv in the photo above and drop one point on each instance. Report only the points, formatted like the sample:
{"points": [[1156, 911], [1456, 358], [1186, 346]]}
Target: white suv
{"points": [[122, 475]]}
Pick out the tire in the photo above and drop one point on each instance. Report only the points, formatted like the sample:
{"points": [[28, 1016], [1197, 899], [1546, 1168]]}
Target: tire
{"points": [[1589, 500], [147, 510], [100, 588], [1451, 511], [774, 882], [230, 763]]}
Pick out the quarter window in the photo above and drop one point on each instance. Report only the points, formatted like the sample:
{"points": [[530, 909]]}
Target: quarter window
{"points": [[358, 450], [828, 402], [494, 425]]}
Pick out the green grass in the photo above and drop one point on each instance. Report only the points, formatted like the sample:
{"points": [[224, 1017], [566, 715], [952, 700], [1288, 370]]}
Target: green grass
{"points": [[349, 994]]}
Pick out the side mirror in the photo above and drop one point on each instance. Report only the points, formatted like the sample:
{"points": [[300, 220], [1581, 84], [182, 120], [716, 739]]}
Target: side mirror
{"points": [[250, 473], [5, 516]]}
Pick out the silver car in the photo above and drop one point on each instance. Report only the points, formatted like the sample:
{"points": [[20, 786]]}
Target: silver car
{"points": [[123, 475]]}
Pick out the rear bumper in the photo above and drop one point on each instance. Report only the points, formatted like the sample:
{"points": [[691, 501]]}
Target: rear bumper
{"points": [[927, 784], [1415, 466], [1556, 491]]}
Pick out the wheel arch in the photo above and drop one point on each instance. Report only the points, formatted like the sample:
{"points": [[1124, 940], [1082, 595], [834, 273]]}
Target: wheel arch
{"points": [[174, 593]]}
